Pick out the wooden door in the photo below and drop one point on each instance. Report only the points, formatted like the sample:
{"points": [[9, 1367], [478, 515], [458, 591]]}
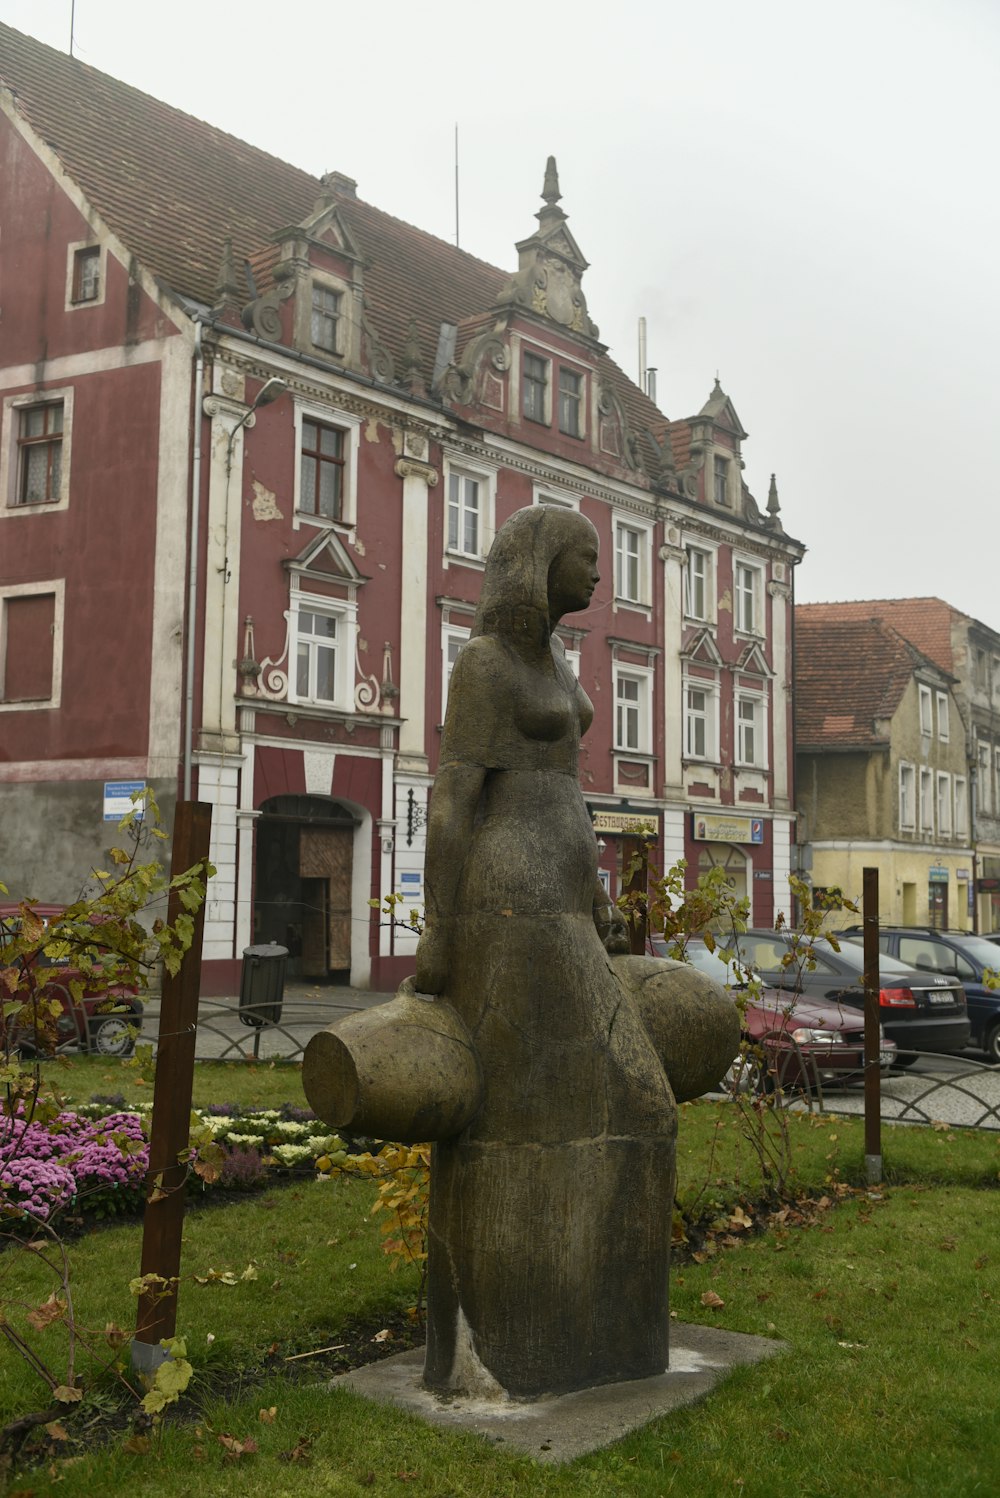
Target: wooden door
{"points": [[327, 853]]}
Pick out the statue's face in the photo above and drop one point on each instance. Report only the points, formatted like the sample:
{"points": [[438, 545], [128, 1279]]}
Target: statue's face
{"points": [[574, 575]]}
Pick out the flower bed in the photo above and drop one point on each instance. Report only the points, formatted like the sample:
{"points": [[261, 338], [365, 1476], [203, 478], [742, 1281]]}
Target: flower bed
{"points": [[94, 1159]]}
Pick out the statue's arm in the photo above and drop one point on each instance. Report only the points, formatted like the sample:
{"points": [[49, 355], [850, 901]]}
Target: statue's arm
{"points": [[611, 924], [480, 718], [449, 832]]}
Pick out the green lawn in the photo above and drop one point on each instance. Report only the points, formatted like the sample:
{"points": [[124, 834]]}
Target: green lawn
{"points": [[887, 1301]]}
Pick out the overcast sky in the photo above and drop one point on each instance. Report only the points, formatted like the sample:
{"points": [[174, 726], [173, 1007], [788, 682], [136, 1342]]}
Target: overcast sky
{"points": [[798, 196]]}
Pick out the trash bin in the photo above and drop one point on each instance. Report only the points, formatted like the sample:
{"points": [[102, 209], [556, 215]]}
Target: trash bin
{"points": [[262, 984]]}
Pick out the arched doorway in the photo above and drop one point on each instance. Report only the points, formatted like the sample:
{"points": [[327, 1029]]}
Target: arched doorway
{"points": [[302, 897], [730, 858]]}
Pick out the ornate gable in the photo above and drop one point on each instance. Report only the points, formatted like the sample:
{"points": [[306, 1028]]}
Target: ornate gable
{"points": [[324, 560], [702, 650], [752, 662], [550, 269]]}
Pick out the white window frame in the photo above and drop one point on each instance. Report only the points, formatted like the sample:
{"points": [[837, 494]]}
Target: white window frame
{"points": [[582, 398], [9, 431], [451, 634], [346, 614], [642, 676], [72, 250], [754, 568], [926, 800], [486, 477], [545, 494], [926, 709], [350, 425], [726, 473], [57, 587], [984, 762], [907, 797], [961, 807], [758, 702], [943, 801], [942, 717], [709, 714], [622, 524], [708, 558]]}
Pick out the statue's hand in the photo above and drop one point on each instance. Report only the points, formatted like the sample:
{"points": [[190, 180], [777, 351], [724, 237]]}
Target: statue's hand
{"points": [[616, 938], [432, 962]]}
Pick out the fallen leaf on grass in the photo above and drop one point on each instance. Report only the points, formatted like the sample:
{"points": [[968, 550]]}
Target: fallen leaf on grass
{"points": [[137, 1445], [266, 1417], [300, 1453], [234, 1449], [44, 1315], [385, 1335], [57, 1431], [66, 1395], [779, 1434], [711, 1299]]}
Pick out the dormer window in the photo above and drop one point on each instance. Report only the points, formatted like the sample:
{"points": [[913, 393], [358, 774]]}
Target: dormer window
{"points": [[325, 325], [535, 388], [87, 274], [721, 481], [570, 403]]}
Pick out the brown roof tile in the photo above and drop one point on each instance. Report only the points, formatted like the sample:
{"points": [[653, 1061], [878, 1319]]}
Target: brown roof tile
{"points": [[849, 673], [925, 622]]}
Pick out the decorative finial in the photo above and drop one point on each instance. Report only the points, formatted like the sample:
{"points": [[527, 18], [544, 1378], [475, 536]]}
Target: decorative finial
{"points": [[227, 286], [773, 507], [550, 187], [412, 366]]}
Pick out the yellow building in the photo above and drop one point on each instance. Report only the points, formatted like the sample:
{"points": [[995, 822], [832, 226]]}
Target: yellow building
{"points": [[882, 775]]}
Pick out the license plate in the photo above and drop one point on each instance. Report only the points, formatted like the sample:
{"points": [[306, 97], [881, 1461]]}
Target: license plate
{"points": [[885, 1057], [941, 998]]}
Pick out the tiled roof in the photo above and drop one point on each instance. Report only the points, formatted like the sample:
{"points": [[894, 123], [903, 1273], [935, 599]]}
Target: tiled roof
{"points": [[849, 672], [173, 188], [925, 622]]}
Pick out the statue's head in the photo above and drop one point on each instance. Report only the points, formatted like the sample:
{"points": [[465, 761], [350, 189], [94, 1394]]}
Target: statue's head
{"points": [[542, 564]]}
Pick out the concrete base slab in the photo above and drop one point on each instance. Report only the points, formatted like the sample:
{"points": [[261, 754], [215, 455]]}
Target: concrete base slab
{"points": [[561, 1427]]}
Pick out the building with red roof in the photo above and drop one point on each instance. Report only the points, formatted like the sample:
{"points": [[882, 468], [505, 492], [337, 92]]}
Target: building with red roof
{"points": [[256, 436]]}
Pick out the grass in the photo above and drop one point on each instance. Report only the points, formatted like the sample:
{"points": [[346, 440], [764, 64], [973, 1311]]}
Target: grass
{"points": [[258, 1084], [887, 1302]]}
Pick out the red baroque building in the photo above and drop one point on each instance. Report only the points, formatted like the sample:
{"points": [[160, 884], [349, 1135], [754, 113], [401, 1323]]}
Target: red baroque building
{"points": [[257, 436]]}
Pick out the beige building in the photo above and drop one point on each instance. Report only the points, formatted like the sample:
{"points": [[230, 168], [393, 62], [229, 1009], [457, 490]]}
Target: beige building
{"points": [[882, 772]]}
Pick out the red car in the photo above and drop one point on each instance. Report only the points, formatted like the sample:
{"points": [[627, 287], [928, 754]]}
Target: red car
{"points": [[795, 1042], [104, 1019]]}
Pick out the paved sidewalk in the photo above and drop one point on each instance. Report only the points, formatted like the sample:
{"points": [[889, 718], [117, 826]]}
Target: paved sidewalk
{"points": [[306, 1008]]}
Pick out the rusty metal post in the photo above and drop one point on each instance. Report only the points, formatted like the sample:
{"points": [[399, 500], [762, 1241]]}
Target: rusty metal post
{"points": [[163, 1219], [873, 1075]]}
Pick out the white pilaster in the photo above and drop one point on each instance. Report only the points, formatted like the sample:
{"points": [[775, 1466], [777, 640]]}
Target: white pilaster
{"points": [[418, 479], [222, 569]]}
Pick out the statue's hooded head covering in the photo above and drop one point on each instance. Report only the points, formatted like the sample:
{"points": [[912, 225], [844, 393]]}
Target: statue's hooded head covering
{"points": [[514, 603]]}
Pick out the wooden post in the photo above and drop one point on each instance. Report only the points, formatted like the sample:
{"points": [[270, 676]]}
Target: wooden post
{"points": [[164, 1216], [873, 1076], [635, 856]]}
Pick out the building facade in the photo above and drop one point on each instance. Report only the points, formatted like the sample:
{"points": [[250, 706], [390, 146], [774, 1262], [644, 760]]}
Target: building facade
{"points": [[257, 436], [969, 652], [882, 770]]}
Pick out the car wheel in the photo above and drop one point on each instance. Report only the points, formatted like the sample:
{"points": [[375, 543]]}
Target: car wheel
{"points": [[113, 1035], [992, 1046], [749, 1074]]}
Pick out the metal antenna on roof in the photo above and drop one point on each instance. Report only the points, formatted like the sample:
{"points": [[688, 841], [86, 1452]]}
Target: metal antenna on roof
{"points": [[72, 19], [456, 185]]}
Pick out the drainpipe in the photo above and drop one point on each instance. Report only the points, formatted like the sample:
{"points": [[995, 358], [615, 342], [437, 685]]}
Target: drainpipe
{"points": [[192, 601]]}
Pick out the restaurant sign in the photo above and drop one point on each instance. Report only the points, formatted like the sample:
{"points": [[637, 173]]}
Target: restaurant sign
{"points": [[625, 824], [709, 828]]}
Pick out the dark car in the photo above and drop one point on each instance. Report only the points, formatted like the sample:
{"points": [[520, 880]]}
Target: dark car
{"points": [[920, 1011], [953, 954], [801, 1041], [104, 1018]]}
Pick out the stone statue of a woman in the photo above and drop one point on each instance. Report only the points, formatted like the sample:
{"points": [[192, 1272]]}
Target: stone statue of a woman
{"points": [[551, 1212]]}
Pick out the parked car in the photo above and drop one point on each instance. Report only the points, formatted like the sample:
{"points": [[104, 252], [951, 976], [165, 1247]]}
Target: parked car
{"points": [[920, 1011], [104, 1019], [801, 1041], [953, 954]]}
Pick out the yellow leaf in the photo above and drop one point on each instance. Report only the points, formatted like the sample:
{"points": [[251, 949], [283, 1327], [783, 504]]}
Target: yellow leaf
{"points": [[712, 1300], [67, 1395], [266, 1417]]}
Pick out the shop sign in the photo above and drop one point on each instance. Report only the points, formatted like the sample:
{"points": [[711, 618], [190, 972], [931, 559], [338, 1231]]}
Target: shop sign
{"points": [[963, 874], [713, 828], [938, 875], [625, 824]]}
